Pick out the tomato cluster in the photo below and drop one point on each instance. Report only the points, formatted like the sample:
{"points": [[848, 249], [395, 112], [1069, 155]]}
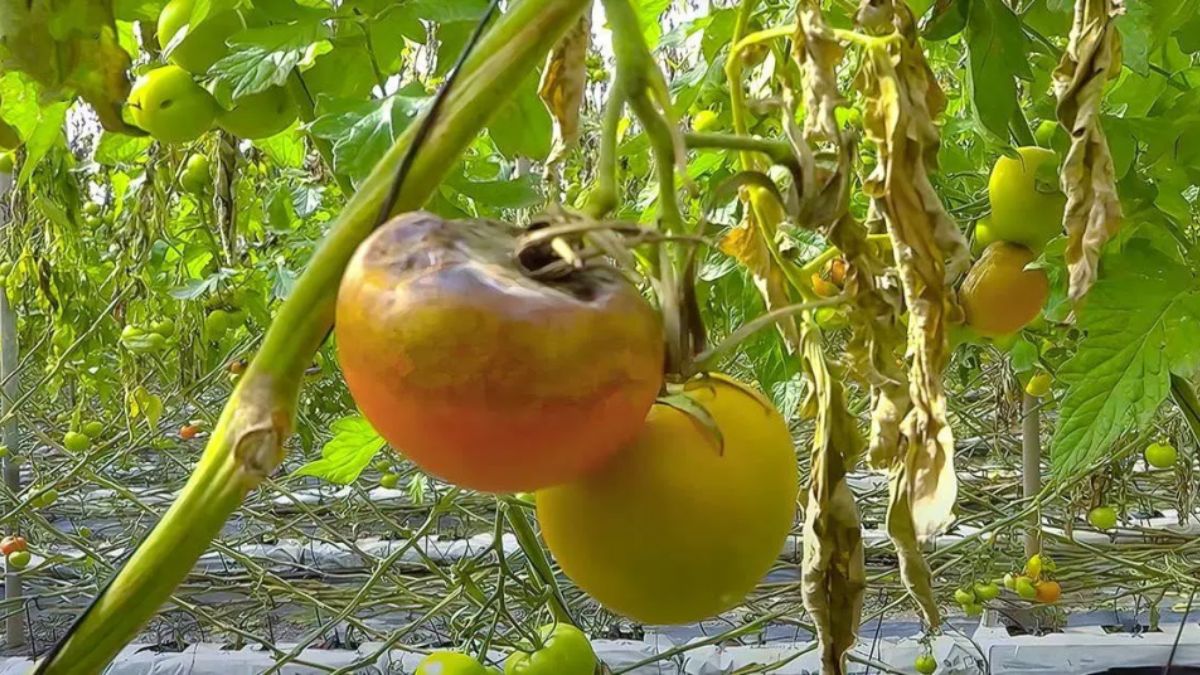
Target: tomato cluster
{"points": [[1001, 294], [494, 377], [1035, 582]]}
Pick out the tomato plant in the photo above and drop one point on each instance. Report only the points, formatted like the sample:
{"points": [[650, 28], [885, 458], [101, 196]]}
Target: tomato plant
{"points": [[644, 290]]}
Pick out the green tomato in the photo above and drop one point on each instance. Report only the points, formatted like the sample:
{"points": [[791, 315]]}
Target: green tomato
{"points": [[93, 429], [565, 651], [205, 43], [964, 596], [130, 332], [196, 176], [389, 480], [48, 498], [1025, 588], [926, 664], [382, 465], [3, 451], [259, 115], [988, 591], [76, 442], [85, 532], [1161, 455], [168, 104], [1045, 133], [165, 328], [18, 560], [91, 208], [450, 663], [1103, 517], [6, 268], [973, 609], [216, 324]]}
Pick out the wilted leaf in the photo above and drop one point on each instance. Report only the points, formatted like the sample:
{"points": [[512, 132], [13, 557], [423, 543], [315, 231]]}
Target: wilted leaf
{"points": [[1093, 214], [69, 47], [564, 80]]}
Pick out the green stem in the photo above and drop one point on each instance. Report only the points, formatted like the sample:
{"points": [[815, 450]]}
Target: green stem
{"points": [[536, 555], [779, 152], [604, 197], [247, 444]]}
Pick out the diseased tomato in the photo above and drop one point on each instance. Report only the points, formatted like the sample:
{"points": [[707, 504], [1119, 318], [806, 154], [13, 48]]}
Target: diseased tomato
{"points": [[1000, 296], [11, 544], [482, 375], [565, 651], [1049, 592], [451, 663], [721, 511]]}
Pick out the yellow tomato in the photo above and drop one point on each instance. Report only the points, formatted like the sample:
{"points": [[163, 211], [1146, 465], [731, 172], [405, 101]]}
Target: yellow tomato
{"points": [[1000, 296], [680, 525]]}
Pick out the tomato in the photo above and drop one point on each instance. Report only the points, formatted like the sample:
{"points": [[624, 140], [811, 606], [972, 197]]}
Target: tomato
{"points": [[18, 560], [216, 324], [1103, 517], [1039, 385], [964, 596], [196, 176], [382, 465], [12, 543], [259, 115], [986, 592], [205, 43], [1000, 296], [1038, 565], [1027, 206], [824, 288], [6, 162], [722, 511], [165, 328], [237, 367], [1025, 588], [704, 120], [389, 480], [972, 609], [1010, 582], [835, 270], [483, 376], [926, 664], [1045, 133], [188, 432], [1048, 592], [1161, 455], [85, 532], [47, 498], [451, 663], [91, 208], [170, 106], [76, 442], [93, 429], [565, 651]]}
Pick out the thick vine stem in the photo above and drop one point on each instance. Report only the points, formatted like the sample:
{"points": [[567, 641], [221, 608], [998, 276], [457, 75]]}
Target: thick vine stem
{"points": [[246, 444]]}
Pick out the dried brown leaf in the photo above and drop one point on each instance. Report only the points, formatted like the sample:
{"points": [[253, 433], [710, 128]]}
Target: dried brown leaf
{"points": [[564, 80], [1093, 212]]}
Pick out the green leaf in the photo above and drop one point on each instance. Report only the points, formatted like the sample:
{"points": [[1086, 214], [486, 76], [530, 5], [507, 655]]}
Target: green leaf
{"points": [[1147, 24], [501, 194], [1023, 356], [354, 444], [285, 148], [945, 19], [1120, 373], [523, 128], [115, 149], [48, 133], [144, 404], [262, 58], [362, 132], [997, 54]]}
